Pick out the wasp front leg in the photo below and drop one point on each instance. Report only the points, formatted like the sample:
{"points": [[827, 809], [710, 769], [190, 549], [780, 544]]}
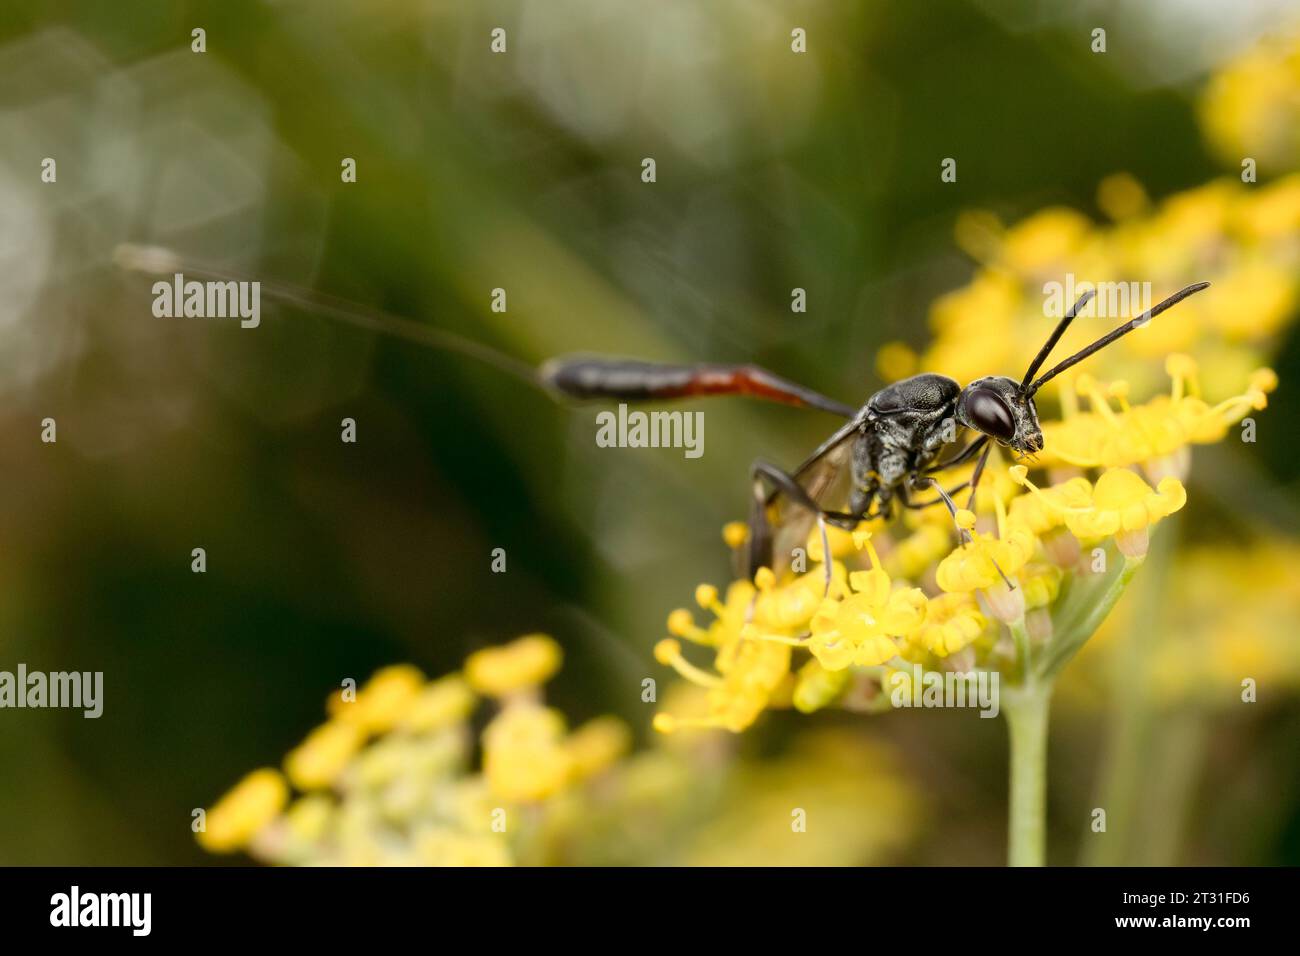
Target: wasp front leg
{"points": [[976, 475], [919, 482], [924, 482], [982, 446], [963, 456]]}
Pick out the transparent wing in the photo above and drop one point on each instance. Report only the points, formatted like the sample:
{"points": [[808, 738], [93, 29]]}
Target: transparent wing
{"points": [[825, 477]]}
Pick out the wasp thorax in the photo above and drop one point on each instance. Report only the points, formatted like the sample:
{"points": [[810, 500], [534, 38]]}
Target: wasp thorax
{"points": [[995, 406]]}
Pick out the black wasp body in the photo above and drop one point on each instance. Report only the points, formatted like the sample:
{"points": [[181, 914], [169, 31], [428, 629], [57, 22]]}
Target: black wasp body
{"points": [[901, 431], [887, 452]]}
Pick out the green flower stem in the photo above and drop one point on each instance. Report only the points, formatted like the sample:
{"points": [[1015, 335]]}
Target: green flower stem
{"points": [[1073, 634], [1026, 709], [1024, 658], [1027, 704]]}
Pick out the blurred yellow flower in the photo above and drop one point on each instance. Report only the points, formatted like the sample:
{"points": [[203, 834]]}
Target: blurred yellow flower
{"points": [[238, 816], [524, 756], [1251, 106], [850, 790], [817, 686], [380, 701], [442, 703], [318, 760], [1204, 647], [522, 664], [596, 746], [1240, 237]]}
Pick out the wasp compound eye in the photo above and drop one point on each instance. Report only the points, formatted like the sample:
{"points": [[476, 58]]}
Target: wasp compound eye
{"points": [[989, 413]]}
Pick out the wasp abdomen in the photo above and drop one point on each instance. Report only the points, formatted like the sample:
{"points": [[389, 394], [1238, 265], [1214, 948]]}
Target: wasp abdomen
{"points": [[618, 378], [635, 380]]}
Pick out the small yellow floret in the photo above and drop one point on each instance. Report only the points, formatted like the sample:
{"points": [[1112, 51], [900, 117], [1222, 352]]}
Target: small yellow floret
{"points": [[249, 806], [523, 663]]}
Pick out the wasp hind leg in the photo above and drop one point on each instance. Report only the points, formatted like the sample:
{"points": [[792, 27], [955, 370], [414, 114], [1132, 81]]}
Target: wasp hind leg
{"points": [[765, 477]]}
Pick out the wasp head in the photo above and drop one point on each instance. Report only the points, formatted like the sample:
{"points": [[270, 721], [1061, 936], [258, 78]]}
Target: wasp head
{"points": [[997, 406]]}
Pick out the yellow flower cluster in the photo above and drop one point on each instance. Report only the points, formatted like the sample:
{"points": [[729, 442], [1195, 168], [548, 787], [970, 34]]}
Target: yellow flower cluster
{"points": [[1156, 434], [749, 673], [389, 777], [1238, 236], [1120, 504], [408, 793], [1251, 107], [1210, 646]]}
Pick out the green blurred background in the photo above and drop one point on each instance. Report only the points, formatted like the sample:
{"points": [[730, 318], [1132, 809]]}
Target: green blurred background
{"points": [[519, 171]]}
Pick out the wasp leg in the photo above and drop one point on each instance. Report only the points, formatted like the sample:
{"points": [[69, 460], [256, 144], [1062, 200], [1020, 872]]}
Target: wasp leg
{"points": [[975, 477], [826, 555], [973, 484], [764, 473], [963, 456], [946, 498], [920, 505]]}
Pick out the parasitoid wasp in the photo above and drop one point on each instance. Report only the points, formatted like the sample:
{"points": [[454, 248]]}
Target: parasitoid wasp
{"points": [[886, 451]]}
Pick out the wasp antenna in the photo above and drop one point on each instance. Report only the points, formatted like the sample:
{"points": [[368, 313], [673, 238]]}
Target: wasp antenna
{"points": [[158, 260], [1055, 337], [1110, 337]]}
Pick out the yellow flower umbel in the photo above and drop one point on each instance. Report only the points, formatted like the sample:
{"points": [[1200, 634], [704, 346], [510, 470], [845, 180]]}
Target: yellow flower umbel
{"points": [[1251, 108], [1120, 505], [1156, 434], [1239, 237], [389, 778]]}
